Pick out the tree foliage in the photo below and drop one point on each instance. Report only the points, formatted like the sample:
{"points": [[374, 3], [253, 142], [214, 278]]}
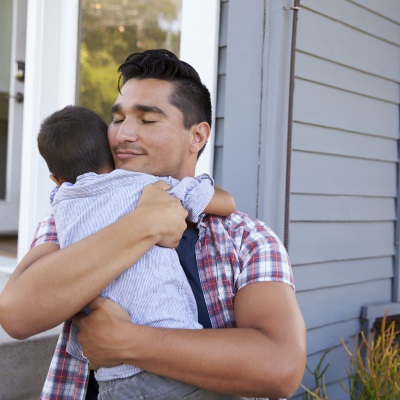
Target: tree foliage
{"points": [[113, 29]]}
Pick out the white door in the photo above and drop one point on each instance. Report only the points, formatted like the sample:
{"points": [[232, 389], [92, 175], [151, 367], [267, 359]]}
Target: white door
{"points": [[12, 72]]}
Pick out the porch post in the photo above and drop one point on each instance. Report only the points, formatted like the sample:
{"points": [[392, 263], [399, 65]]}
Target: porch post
{"points": [[201, 51], [50, 84]]}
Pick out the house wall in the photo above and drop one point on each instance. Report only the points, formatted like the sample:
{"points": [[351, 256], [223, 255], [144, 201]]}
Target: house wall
{"points": [[251, 111], [344, 158], [344, 169]]}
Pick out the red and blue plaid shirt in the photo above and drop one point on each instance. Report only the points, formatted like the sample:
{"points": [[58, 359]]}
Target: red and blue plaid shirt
{"points": [[231, 252]]}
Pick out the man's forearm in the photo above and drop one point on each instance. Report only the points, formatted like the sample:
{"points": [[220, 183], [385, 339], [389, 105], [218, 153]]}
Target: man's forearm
{"points": [[238, 361], [57, 285], [264, 356]]}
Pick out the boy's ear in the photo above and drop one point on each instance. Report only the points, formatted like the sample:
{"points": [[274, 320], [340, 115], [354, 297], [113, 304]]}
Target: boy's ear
{"points": [[200, 134], [58, 181]]}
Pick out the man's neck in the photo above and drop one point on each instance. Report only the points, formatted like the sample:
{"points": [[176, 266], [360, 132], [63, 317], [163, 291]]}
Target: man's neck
{"points": [[190, 225]]}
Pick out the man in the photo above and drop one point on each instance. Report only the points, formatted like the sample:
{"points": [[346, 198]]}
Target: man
{"points": [[238, 269]]}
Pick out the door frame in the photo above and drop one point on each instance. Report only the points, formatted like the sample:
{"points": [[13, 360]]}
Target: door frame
{"points": [[201, 51], [50, 84], [9, 206]]}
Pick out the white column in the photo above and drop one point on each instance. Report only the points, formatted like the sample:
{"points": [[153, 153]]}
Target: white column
{"points": [[50, 84], [199, 48]]}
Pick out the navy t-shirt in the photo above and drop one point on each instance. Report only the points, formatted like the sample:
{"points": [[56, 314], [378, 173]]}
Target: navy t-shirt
{"points": [[187, 258]]}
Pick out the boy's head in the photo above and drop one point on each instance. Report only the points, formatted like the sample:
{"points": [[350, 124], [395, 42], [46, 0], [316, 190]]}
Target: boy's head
{"points": [[74, 141], [190, 95]]}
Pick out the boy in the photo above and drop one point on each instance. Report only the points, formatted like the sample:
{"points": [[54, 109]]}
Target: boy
{"points": [[154, 291]]}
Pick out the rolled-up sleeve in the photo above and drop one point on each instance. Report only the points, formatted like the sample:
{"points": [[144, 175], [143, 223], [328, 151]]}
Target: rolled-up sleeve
{"points": [[45, 232]]}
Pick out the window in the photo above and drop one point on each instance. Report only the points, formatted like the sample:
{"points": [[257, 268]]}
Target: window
{"points": [[110, 30]]}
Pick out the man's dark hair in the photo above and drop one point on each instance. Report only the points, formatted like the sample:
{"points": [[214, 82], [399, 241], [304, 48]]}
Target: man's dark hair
{"points": [[190, 95], [74, 141]]}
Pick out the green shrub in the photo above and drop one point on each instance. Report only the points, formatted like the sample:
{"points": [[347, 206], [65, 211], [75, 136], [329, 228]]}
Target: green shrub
{"points": [[375, 366], [319, 393], [374, 372]]}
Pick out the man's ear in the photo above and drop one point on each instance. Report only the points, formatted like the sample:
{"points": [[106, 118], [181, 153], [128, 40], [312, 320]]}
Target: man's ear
{"points": [[200, 134], [57, 180]]}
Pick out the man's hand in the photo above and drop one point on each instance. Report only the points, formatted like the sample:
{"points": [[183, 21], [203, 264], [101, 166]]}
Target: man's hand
{"points": [[166, 213], [99, 332]]}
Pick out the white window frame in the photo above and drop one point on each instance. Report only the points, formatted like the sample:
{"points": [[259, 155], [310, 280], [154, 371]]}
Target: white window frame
{"points": [[199, 48], [50, 84], [52, 45]]}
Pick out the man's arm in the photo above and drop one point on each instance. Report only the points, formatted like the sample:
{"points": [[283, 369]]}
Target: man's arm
{"points": [[264, 356], [51, 285]]}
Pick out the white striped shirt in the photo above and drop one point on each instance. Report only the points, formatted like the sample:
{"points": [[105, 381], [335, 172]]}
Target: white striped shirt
{"points": [[155, 290]]}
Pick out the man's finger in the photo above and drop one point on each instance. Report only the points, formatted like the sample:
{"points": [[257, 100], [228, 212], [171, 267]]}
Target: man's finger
{"points": [[162, 185]]}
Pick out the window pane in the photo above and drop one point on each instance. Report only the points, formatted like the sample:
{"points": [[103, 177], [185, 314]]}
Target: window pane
{"points": [[113, 29]]}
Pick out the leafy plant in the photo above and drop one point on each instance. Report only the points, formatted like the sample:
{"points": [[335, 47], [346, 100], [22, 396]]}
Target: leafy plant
{"points": [[112, 29], [375, 365], [319, 376], [374, 372]]}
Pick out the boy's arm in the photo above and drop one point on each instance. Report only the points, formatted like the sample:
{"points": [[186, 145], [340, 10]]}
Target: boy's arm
{"points": [[199, 195], [222, 203]]}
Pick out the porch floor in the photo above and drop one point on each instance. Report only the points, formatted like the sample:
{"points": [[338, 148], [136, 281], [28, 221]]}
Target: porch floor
{"points": [[8, 254], [8, 246]]}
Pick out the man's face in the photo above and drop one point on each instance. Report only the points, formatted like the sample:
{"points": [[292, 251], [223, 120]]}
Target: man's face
{"points": [[147, 132]]}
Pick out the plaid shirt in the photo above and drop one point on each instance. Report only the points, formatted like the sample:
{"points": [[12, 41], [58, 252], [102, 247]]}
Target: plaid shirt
{"points": [[231, 253]]}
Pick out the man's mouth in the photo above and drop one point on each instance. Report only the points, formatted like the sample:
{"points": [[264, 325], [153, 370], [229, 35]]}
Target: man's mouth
{"points": [[124, 155], [123, 152]]}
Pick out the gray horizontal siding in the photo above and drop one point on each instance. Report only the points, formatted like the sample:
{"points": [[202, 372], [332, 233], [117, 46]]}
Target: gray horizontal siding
{"points": [[344, 170], [362, 19], [318, 139], [326, 174], [323, 242], [342, 77], [338, 304], [329, 39], [335, 108], [389, 9], [338, 208], [345, 151], [341, 273], [329, 334]]}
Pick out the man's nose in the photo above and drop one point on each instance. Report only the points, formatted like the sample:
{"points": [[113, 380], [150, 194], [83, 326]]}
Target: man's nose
{"points": [[127, 131]]}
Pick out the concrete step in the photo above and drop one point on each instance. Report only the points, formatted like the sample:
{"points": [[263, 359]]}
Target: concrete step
{"points": [[24, 364]]}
